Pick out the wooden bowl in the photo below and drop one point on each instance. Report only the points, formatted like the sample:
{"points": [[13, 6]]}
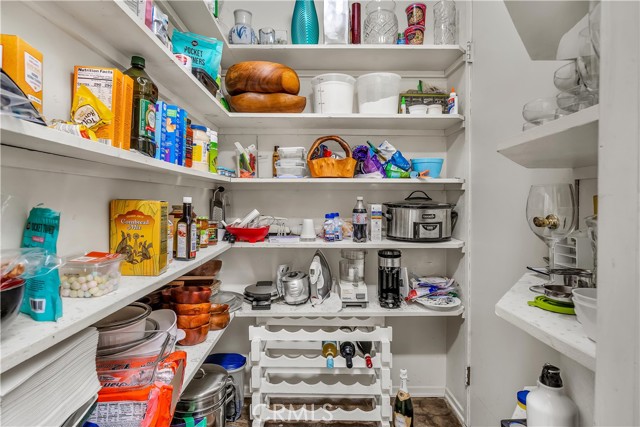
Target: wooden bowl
{"points": [[190, 294], [191, 309], [192, 321], [220, 317], [194, 335], [166, 295], [209, 268]]}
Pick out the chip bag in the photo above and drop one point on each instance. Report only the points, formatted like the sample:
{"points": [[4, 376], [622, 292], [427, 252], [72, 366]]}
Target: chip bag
{"points": [[88, 110], [206, 52]]}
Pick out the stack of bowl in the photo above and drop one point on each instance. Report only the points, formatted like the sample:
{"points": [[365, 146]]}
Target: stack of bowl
{"points": [[192, 305], [585, 301]]}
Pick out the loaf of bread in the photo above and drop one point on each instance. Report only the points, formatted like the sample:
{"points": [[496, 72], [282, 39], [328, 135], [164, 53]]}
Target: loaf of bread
{"points": [[261, 77], [251, 102]]}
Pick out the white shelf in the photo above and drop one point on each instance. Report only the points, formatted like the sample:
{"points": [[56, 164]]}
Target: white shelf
{"points": [[568, 142], [349, 244], [332, 307], [345, 183], [559, 331], [197, 354], [30, 136], [26, 337], [322, 58]]}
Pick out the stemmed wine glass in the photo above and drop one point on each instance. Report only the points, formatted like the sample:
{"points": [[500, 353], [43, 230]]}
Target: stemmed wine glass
{"points": [[551, 215]]}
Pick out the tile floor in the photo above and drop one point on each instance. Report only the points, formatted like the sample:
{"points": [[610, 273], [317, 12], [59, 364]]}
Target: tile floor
{"points": [[428, 412]]}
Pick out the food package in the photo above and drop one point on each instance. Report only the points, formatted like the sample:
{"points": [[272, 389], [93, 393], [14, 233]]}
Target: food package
{"points": [[23, 64], [88, 110], [74, 129], [138, 230], [41, 298], [108, 85], [375, 232], [180, 145], [336, 21], [206, 52], [166, 136], [368, 162]]}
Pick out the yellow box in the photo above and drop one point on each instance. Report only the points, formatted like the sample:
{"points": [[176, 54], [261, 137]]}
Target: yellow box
{"points": [[127, 119], [23, 64], [138, 230], [106, 84]]}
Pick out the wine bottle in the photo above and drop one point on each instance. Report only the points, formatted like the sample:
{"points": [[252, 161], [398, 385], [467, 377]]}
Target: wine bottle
{"points": [[403, 407], [348, 350], [329, 350], [365, 347]]}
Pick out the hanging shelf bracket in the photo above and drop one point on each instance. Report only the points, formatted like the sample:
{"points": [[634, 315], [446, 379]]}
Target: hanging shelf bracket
{"points": [[468, 56]]}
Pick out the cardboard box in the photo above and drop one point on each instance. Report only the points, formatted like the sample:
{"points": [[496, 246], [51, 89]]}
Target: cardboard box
{"points": [[138, 230], [166, 131], [181, 138], [108, 85], [127, 114], [375, 234], [23, 64]]}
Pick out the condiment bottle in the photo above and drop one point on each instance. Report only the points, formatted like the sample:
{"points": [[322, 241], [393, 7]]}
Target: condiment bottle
{"points": [[204, 231], [186, 233], [188, 161], [143, 120], [276, 157]]}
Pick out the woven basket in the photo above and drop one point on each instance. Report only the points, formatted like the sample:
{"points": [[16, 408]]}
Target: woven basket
{"points": [[329, 167]]}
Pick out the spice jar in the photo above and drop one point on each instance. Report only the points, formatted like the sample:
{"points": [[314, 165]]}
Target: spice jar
{"points": [[203, 234], [213, 233]]}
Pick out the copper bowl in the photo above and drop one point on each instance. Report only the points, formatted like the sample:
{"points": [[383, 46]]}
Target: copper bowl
{"points": [[194, 335], [220, 317], [191, 309], [209, 268], [190, 294], [166, 295], [186, 321]]}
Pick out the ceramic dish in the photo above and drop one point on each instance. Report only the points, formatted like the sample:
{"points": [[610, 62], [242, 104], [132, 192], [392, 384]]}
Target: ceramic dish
{"points": [[232, 299], [440, 303]]}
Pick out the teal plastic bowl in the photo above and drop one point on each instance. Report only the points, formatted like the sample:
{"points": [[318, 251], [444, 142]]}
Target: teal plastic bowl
{"points": [[432, 164]]}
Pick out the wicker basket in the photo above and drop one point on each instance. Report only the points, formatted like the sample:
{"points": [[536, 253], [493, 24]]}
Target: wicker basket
{"points": [[329, 167]]}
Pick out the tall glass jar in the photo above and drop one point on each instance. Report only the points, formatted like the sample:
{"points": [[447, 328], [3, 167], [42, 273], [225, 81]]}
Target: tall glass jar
{"points": [[381, 23], [444, 17]]}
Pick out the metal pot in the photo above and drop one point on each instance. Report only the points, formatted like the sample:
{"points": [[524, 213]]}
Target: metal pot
{"points": [[295, 287], [419, 219], [206, 396], [573, 277]]}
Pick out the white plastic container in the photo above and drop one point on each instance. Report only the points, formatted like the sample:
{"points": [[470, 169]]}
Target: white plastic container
{"points": [[91, 275], [378, 93], [418, 110], [586, 307], [548, 405], [298, 153], [291, 168], [333, 93]]}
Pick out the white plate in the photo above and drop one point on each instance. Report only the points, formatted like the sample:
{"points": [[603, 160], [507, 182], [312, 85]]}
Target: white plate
{"points": [[439, 303]]}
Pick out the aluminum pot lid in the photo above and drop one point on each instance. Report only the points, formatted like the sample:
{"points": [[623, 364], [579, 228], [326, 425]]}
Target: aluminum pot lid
{"points": [[294, 276], [422, 201], [208, 381]]}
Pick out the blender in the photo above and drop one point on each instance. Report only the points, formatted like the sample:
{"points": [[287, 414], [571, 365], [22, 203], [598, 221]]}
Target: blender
{"points": [[353, 290]]}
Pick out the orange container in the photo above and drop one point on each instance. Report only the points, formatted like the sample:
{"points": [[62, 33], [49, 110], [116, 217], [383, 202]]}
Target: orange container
{"points": [[23, 64]]}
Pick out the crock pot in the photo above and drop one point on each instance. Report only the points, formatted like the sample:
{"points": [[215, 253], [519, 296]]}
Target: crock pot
{"points": [[420, 219]]}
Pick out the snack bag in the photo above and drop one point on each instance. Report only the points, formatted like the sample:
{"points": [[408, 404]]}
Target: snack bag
{"points": [[206, 52], [88, 110], [42, 299]]}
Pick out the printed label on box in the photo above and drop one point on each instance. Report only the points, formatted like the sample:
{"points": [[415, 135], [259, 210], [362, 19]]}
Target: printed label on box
{"points": [[33, 72]]}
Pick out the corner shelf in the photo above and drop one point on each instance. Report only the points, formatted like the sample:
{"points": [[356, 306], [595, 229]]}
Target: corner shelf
{"points": [[349, 244], [568, 142], [559, 331], [27, 338]]}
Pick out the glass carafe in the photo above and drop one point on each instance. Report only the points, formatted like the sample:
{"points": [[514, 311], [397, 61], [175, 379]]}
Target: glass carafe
{"points": [[381, 23], [444, 17], [242, 32]]}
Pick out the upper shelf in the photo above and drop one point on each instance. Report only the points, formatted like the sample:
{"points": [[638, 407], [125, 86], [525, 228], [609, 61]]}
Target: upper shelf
{"points": [[350, 244], [568, 142], [198, 19], [560, 331], [348, 183]]}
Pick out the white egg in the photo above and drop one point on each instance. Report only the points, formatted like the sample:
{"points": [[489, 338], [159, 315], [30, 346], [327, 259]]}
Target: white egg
{"points": [[82, 279], [65, 292], [75, 286], [73, 294], [87, 294], [65, 285], [94, 290], [99, 279], [84, 287], [99, 293], [92, 284], [63, 278]]}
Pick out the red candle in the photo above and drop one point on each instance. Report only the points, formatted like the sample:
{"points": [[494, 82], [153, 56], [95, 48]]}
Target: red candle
{"points": [[355, 23]]}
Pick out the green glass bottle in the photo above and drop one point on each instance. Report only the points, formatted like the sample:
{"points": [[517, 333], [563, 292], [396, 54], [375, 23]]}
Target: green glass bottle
{"points": [[145, 96]]}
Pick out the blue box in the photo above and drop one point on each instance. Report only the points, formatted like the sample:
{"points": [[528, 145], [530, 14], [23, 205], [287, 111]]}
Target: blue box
{"points": [[181, 137], [161, 119]]}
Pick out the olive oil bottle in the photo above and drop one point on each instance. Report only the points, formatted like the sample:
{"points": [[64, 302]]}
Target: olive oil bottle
{"points": [[403, 407], [186, 233], [143, 120]]}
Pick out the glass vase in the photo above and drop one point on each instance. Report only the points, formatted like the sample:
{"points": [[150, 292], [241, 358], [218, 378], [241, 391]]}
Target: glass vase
{"points": [[304, 23], [381, 23], [444, 22]]}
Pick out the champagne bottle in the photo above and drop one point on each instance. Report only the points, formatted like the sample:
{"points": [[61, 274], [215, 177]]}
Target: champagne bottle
{"points": [[329, 350], [403, 407], [348, 350]]}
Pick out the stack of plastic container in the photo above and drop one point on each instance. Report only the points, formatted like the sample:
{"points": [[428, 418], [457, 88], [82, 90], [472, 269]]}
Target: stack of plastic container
{"points": [[292, 163]]}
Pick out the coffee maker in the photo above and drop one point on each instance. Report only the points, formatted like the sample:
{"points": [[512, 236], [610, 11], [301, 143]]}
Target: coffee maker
{"points": [[389, 280]]}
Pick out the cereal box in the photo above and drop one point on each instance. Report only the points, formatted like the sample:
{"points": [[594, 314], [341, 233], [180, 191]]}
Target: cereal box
{"points": [[138, 230], [23, 64]]}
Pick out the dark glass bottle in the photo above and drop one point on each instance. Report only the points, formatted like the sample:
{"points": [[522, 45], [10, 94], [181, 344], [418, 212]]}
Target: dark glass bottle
{"points": [[143, 110], [359, 221], [403, 407], [186, 233], [348, 350]]}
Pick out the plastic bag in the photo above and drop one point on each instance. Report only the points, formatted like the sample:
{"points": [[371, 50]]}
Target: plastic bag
{"points": [[393, 171], [206, 52], [27, 263], [88, 110], [368, 162]]}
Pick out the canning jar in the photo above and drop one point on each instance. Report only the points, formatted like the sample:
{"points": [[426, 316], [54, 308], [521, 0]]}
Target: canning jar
{"points": [[381, 23], [203, 237]]}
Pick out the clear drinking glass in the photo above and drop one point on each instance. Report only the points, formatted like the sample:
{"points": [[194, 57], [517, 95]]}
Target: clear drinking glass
{"points": [[588, 62], [267, 35], [551, 214], [381, 23], [444, 16]]}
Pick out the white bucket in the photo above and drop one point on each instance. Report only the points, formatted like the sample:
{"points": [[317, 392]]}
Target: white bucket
{"points": [[378, 93], [333, 93]]}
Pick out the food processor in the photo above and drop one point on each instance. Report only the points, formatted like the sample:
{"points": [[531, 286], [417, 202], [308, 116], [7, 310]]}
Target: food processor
{"points": [[353, 289]]}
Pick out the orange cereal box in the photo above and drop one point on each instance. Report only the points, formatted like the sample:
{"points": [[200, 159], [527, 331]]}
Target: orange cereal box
{"points": [[138, 230]]}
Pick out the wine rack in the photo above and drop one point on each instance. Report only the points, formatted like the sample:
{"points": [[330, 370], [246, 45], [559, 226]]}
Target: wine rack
{"points": [[286, 361]]}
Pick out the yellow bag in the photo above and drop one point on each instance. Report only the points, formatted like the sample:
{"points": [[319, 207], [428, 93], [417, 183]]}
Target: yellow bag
{"points": [[88, 110]]}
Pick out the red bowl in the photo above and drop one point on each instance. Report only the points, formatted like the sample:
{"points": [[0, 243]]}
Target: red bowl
{"points": [[251, 235]]}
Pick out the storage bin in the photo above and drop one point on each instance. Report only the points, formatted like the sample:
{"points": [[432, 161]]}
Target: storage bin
{"points": [[91, 275], [432, 164], [333, 93], [235, 364], [292, 153], [378, 93], [291, 168]]}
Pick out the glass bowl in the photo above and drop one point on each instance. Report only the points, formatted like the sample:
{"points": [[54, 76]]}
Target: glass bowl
{"points": [[566, 77], [540, 110], [576, 99]]}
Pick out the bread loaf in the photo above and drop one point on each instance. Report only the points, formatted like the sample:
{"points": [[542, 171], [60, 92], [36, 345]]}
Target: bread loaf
{"points": [[251, 102], [261, 77]]}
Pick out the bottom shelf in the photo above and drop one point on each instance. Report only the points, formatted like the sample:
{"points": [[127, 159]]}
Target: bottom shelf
{"points": [[559, 331]]}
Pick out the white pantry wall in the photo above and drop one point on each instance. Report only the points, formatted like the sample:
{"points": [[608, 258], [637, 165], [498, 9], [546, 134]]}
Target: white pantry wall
{"points": [[503, 357]]}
